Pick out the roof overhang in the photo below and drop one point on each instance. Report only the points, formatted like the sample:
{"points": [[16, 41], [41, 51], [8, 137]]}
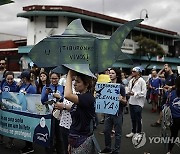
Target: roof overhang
{"points": [[87, 17]]}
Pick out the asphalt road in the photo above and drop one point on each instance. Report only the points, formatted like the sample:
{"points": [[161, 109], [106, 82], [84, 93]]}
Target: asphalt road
{"points": [[127, 146]]}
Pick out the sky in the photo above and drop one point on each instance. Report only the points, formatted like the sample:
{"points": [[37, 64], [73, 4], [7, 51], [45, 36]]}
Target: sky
{"points": [[163, 14]]}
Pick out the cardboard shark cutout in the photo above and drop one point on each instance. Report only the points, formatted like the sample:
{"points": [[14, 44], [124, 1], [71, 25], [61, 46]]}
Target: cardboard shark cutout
{"points": [[82, 51]]}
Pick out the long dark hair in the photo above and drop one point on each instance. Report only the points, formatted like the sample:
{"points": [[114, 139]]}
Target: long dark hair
{"points": [[118, 74], [87, 80], [40, 84]]}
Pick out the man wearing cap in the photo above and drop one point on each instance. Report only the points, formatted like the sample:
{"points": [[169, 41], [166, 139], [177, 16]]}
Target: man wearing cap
{"points": [[137, 92]]}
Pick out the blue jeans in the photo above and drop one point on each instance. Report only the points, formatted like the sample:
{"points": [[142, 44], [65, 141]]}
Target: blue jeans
{"points": [[110, 121], [136, 118]]}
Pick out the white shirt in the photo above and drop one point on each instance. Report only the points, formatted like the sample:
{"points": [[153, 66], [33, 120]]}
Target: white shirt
{"points": [[139, 90], [66, 119]]}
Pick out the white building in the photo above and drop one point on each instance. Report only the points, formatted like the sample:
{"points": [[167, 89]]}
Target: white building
{"points": [[44, 21]]}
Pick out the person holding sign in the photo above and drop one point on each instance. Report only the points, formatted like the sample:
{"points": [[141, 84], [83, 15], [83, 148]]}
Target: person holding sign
{"points": [[137, 92], [117, 119], [82, 113], [8, 85]]}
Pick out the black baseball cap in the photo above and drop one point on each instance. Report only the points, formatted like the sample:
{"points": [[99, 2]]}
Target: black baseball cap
{"points": [[25, 74]]}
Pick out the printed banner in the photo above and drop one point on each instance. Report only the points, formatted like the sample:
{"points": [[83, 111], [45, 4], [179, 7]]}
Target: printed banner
{"points": [[24, 117], [30, 103], [107, 98]]}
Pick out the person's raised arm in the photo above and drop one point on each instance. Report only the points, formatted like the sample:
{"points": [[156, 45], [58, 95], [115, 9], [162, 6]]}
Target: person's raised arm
{"points": [[68, 93]]}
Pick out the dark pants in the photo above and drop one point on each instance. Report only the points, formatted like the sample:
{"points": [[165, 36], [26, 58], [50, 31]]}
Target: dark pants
{"points": [[110, 121], [65, 133], [136, 118], [174, 132], [56, 141], [29, 144]]}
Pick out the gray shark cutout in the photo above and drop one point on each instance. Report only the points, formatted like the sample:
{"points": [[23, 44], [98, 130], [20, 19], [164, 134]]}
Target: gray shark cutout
{"points": [[82, 51]]}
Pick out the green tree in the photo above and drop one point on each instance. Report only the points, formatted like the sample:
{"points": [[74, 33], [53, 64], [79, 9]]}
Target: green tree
{"points": [[148, 47]]}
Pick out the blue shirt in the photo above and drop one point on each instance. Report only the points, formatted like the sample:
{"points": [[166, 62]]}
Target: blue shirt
{"points": [[9, 87], [174, 103], [175, 108], [155, 83], [29, 88], [45, 97]]}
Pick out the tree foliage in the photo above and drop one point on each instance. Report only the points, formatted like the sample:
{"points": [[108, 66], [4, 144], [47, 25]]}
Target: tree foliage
{"points": [[148, 47]]}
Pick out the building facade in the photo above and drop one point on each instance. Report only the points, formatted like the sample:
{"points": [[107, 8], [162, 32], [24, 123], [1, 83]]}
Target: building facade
{"points": [[9, 52]]}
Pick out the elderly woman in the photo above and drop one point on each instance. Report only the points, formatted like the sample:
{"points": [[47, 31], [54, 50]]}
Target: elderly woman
{"points": [[82, 113]]}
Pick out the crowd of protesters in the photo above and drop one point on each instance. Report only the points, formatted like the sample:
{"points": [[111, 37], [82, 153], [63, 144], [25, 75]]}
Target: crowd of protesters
{"points": [[71, 101]]}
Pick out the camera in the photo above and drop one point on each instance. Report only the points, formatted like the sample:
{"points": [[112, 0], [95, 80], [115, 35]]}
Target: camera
{"points": [[49, 89]]}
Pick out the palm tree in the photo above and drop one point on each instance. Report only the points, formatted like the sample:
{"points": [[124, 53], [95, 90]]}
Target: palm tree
{"points": [[148, 47]]}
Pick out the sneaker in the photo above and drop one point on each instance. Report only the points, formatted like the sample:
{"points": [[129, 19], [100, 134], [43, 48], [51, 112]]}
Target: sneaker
{"points": [[27, 150], [105, 151], [156, 124], [130, 135]]}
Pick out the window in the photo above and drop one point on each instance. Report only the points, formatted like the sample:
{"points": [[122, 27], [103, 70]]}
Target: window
{"points": [[70, 19], [135, 33], [51, 22], [167, 41], [86, 24], [100, 28], [160, 39]]}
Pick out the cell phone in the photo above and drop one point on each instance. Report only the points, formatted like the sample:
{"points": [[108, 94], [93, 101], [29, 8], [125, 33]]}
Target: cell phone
{"points": [[49, 89], [50, 102]]}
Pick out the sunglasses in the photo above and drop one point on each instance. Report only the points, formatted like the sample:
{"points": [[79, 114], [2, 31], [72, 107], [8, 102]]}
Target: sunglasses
{"points": [[2, 63]]}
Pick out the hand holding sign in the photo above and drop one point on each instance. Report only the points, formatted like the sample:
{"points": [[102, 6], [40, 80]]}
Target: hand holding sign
{"points": [[107, 98]]}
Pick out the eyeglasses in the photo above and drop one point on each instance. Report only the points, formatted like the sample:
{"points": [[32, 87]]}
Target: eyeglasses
{"points": [[2, 63], [54, 78]]}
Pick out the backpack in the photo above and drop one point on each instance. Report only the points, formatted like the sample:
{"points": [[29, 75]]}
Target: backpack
{"points": [[167, 116]]}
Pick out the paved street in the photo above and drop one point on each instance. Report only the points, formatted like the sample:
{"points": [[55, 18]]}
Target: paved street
{"points": [[126, 146]]}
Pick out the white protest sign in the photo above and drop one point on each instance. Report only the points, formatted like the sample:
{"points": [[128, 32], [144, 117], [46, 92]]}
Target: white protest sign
{"points": [[107, 98]]}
